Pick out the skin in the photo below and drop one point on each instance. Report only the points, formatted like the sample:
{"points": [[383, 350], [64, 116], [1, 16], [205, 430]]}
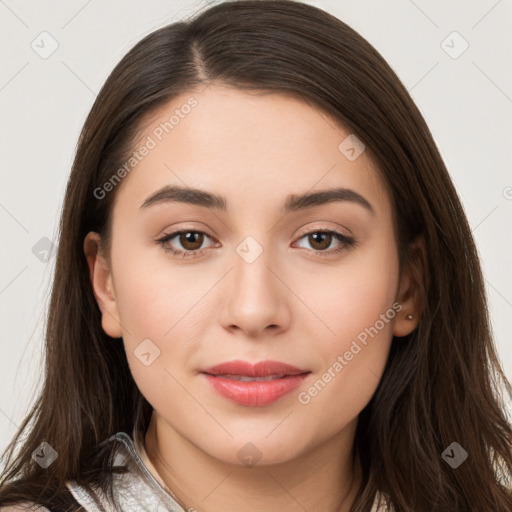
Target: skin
{"points": [[291, 304]]}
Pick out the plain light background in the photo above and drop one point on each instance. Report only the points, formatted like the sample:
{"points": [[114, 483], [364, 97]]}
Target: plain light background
{"points": [[465, 95]]}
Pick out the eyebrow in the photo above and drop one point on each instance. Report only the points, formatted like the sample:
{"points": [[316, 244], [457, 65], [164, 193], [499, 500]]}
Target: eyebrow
{"points": [[294, 202]]}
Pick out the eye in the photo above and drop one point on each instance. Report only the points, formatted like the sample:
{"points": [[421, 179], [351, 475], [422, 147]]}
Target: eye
{"points": [[190, 240], [320, 240]]}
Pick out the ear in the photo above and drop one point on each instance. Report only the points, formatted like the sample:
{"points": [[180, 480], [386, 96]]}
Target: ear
{"points": [[411, 293], [101, 280]]}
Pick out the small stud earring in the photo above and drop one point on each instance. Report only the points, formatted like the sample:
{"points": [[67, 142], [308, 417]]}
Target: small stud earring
{"points": [[409, 317]]}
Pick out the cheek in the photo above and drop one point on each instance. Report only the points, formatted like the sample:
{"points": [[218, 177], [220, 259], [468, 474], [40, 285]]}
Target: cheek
{"points": [[354, 293], [152, 292], [357, 304], [153, 300]]}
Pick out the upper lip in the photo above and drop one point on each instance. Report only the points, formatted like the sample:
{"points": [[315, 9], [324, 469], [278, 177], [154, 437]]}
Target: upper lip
{"points": [[260, 369]]}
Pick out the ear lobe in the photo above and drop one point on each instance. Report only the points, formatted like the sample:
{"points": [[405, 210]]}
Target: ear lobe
{"points": [[411, 294], [101, 280]]}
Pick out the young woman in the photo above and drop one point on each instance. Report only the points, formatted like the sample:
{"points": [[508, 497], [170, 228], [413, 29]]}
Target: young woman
{"points": [[267, 295]]}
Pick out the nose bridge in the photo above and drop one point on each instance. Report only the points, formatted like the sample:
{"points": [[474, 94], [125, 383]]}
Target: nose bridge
{"points": [[254, 300], [252, 264]]}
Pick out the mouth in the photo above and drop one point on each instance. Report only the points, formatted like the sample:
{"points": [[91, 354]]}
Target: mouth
{"points": [[262, 369], [254, 385]]}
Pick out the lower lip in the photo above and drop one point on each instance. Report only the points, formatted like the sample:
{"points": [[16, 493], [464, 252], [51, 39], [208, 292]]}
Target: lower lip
{"points": [[255, 393]]}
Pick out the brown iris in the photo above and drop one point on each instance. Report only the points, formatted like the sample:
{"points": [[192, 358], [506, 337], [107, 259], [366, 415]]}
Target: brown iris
{"points": [[320, 238], [194, 238]]}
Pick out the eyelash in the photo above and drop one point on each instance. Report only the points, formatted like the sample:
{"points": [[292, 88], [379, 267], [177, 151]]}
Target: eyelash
{"points": [[345, 240]]}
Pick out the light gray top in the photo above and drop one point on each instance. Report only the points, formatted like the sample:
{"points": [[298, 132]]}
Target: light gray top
{"points": [[137, 490]]}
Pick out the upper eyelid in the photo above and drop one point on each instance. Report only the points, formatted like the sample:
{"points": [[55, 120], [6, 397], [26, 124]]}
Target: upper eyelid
{"points": [[173, 234], [325, 229]]}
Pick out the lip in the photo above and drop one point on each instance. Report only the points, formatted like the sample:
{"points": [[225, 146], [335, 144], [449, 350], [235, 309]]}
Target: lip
{"points": [[254, 393], [260, 369]]}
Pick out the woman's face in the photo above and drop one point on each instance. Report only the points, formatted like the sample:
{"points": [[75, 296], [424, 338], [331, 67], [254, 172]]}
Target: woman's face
{"points": [[255, 279]]}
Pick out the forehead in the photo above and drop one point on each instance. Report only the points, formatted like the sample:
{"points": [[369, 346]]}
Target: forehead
{"points": [[253, 147]]}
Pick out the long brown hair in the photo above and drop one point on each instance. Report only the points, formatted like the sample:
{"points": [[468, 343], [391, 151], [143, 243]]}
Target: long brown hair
{"points": [[440, 383]]}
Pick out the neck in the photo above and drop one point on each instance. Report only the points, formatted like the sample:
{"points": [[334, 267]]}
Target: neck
{"points": [[323, 478]]}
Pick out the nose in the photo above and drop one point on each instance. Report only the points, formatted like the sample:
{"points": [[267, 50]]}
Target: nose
{"points": [[255, 299]]}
